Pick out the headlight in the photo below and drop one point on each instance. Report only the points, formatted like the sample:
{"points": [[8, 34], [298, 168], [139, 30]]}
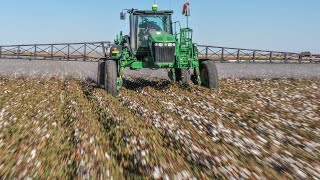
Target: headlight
{"points": [[156, 44], [160, 44], [170, 44]]}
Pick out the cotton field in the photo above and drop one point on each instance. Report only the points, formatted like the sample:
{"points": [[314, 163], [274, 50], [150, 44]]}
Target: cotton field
{"points": [[248, 128]]}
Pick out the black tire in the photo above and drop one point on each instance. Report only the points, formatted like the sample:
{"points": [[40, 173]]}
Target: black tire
{"points": [[101, 73], [208, 72], [183, 75], [111, 74]]}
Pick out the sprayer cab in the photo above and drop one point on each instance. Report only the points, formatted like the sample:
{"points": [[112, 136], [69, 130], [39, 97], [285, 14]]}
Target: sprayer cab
{"points": [[145, 25]]}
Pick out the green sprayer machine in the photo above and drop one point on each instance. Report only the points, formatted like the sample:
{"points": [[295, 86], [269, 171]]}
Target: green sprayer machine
{"points": [[155, 43]]}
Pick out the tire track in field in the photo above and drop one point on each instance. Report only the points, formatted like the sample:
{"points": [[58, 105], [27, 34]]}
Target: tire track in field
{"points": [[201, 115], [50, 131], [90, 158], [241, 123], [139, 147], [207, 153], [171, 126]]}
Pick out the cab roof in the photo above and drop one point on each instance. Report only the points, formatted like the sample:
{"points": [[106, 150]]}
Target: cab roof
{"points": [[148, 12]]}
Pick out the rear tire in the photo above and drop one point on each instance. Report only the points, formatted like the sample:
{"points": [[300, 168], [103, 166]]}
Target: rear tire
{"points": [[101, 73], [209, 74], [111, 74], [183, 75]]}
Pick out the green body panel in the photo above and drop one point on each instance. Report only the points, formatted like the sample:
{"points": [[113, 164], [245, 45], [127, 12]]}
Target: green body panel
{"points": [[140, 65], [185, 51], [162, 37]]}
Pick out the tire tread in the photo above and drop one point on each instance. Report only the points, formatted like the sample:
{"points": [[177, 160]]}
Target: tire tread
{"points": [[111, 77], [212, 74]]}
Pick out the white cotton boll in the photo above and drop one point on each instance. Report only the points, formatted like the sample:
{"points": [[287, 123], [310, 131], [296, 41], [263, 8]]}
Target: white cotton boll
{"points": [[33, 153], [156, 173]]}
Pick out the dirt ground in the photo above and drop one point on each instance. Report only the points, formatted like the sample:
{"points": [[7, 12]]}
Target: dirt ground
{"points": [[249, 128]]}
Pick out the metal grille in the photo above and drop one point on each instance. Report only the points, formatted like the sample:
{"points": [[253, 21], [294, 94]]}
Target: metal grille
{"points": [[164, 54]]}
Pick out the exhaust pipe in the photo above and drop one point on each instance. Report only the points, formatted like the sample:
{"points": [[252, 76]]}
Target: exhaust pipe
{"points": [[132, 32]]}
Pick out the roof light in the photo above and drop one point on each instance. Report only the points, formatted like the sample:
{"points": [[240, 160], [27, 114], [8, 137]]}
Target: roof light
{"points": [[154, 7]]}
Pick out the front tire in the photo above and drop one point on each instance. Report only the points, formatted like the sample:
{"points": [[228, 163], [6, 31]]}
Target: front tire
{"points": [[101, 73], [111, 74], [209, 74], [183, 75]]}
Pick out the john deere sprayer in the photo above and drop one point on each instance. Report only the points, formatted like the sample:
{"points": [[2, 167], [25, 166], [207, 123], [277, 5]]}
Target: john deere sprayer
{"points": [[155, 43]]}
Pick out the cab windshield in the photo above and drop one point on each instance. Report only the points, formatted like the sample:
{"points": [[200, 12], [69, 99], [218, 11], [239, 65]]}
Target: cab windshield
{"points": [[149, 23]]}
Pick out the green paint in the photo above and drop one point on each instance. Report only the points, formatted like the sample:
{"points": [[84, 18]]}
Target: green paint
{"points": [[185, 51], [162, 37]]}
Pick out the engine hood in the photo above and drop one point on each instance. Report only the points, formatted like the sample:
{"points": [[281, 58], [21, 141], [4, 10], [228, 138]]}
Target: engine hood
{"points": [[161, 37]]}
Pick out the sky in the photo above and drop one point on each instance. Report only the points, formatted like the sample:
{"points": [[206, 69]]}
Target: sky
{"points": [[282, 25]]}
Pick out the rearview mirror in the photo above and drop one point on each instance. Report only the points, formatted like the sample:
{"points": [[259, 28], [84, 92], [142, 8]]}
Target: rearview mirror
{"points": [[122, 15]]}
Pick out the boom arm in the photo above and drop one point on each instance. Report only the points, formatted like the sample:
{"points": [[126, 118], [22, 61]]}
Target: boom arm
{"points": [[87, 51]]}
